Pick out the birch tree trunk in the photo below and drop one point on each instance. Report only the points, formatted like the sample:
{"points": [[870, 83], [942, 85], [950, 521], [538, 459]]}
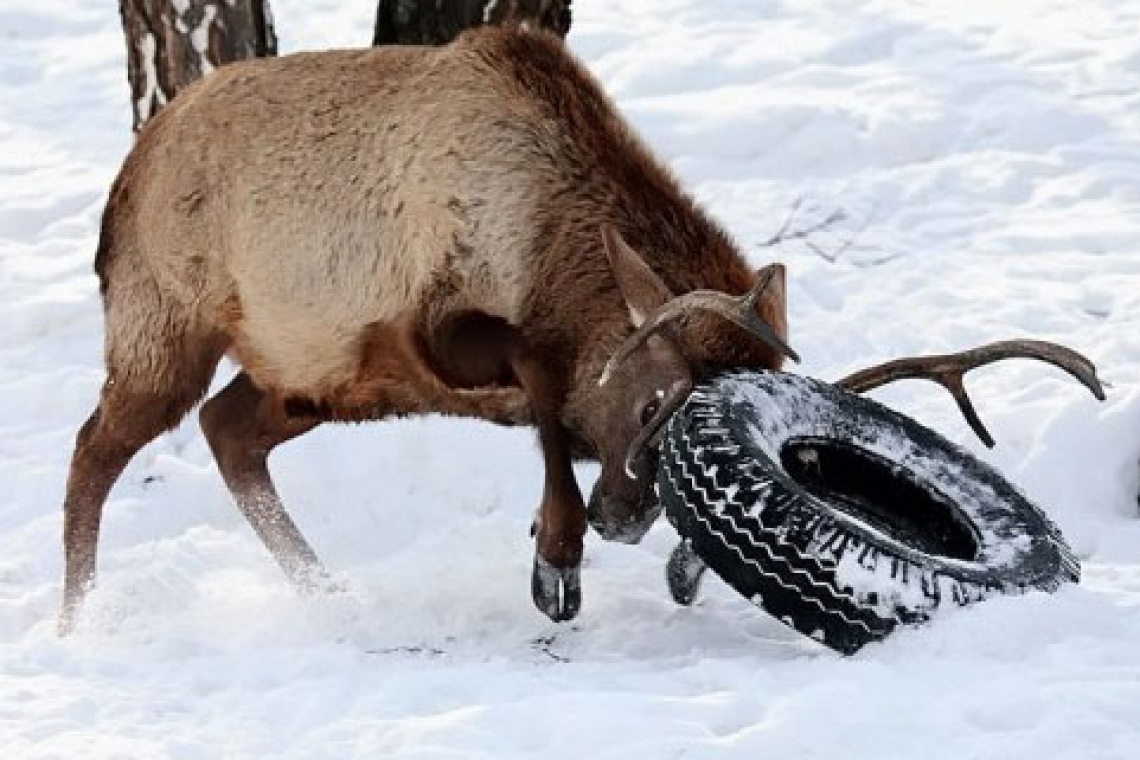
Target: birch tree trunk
{"points": [[171, 43], [430, 22]]}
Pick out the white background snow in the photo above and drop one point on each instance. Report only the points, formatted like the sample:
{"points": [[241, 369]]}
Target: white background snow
{"points": [[985, 159]]}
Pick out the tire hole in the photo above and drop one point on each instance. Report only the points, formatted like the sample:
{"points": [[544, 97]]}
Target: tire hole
{"points": [[881, 494]]}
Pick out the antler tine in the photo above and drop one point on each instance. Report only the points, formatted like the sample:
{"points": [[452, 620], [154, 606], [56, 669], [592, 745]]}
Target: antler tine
{"points": [[763, 279], [949, 371], [740, 310]]}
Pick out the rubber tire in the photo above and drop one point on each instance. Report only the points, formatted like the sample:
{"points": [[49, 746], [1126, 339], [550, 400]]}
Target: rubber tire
{"points": [[800, 556]]}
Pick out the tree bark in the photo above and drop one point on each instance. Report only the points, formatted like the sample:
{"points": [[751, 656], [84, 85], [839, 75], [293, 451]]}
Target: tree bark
{"points": [[172, 43], [423, 22]]}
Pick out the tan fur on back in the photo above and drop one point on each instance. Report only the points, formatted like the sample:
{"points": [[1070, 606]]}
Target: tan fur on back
{"points": [[294, 206], [299, 200]]}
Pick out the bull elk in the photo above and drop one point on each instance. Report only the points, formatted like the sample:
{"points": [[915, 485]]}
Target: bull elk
{"points": [[470, 230]]}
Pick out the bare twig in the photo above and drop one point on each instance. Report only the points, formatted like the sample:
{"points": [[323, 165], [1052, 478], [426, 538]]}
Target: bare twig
{"points": [[788, 232]]}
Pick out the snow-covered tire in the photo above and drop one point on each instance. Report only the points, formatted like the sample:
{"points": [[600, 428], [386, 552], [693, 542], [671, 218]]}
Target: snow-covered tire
{"points": [[841, 517]]}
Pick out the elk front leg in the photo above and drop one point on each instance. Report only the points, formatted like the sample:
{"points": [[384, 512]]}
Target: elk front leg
{"points": [[561, 523], [559, 530]]}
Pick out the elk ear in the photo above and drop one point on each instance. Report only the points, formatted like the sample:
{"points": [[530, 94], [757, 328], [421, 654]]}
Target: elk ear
{"points": [[773, 304], [642, 289]]}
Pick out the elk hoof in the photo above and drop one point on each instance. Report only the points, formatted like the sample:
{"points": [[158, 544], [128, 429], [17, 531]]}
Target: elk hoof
{"points": [[557, 591], [683, 573]]}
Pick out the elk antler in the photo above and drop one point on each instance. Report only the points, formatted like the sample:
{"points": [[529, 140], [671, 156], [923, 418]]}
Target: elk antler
{"points": [[740, 310], [949, 370]]}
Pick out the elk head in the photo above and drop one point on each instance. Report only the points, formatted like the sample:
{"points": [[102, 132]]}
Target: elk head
{"points": [[647, 377]]}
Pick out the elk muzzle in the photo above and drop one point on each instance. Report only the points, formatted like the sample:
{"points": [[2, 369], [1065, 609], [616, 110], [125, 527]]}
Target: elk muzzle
{"points": [[622, 519]]}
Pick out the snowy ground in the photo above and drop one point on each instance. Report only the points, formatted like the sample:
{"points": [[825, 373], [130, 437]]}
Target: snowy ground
{"points": [[985, 155]]}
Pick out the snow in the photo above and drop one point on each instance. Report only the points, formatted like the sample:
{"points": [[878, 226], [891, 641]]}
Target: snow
{"points": [[984, 156]]}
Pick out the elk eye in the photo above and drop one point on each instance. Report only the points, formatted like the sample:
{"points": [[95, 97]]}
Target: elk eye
{"points": [[649, 411]]}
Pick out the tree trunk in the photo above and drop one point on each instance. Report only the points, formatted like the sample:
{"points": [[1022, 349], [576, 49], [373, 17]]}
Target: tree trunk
{"points": [[171, 43], [423, 22]]}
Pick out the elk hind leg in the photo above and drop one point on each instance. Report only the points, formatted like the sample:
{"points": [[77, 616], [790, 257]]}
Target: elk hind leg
{"points": [[243, 424], [138, 402]]}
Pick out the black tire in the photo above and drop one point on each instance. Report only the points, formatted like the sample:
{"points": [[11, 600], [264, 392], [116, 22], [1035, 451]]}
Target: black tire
{"points": [[841, 517]]}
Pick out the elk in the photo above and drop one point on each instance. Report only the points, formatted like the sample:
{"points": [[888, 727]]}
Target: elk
{"points": [[469, 230]]}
